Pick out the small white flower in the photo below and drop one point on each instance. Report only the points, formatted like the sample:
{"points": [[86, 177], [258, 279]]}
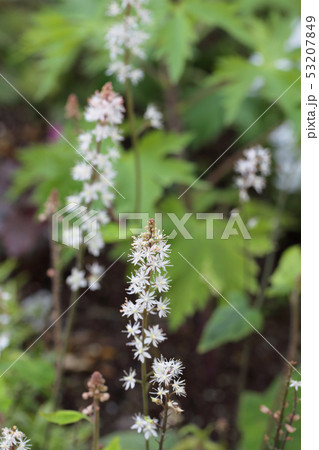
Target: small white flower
{"points": [[154, 335], [133, 330], [160, 392], [95, 244], [77, 279], [162, 307], [95, 273], [114, 9], [252, 170], [4, 341], [139, 423], [154, 116], [161, 283], [129, 379], [82, 171], [141, 351], [85, 140], [295, 384], [4, 295]]}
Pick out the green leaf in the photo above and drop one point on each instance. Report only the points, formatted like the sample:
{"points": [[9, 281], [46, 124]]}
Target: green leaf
{"points": [[64, 417], [114, 445], [284, 279], [130, 440], [226, 324], [175, 41], [212, 258], [44, 168], [160, 169], [253, 436]]}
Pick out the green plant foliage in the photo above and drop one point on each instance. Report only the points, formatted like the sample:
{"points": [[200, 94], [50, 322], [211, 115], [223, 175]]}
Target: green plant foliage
{"points": [[193, 437], [226, 325], [64, 417], [160, 169], [45, 167], [253, 424], [223, 262], [56, 40], [130, 440], [114, 445], [285, 278]]}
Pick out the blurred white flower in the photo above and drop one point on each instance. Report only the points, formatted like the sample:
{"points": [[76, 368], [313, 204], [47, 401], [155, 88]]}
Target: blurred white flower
{"points": [[154, 116], [77, 279]]}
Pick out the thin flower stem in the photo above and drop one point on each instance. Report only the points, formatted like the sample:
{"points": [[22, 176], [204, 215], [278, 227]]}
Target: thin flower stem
{"points": [[282, 410], [133, 130], [96, 425], [67, 333], [144, 377], [290, 420], [164, 424]]}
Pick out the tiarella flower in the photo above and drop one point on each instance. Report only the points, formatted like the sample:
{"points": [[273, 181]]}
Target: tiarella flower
{"points": [[150, 257], [154, 335], [4, 295], [129, 379], [141, 352], [133, 330], [95, 272], [77, 279], [295, 384], [154, 116], [4, 341], [125, 37], [146, 425], [13, 439], [97, 391], [252, 171], [96, 172]]}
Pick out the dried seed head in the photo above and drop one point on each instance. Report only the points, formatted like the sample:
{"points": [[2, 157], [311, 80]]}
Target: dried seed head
{"points": [[72, 110]]}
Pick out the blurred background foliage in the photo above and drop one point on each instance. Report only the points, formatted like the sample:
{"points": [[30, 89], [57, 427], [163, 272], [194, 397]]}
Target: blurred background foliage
{"points": [[213, 68]]}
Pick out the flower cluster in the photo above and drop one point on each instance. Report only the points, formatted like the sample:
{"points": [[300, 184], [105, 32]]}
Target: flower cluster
{"points": [[148, 283], [252, 170], [13, 439], [154, 116], [97, 392], [126, 38], [96, 173]]}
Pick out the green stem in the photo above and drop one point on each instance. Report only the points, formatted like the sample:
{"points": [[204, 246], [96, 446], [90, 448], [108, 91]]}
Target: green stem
{"points": [[270, 259], [131, 117], [133, 130], [96, 426], [67, 334]]}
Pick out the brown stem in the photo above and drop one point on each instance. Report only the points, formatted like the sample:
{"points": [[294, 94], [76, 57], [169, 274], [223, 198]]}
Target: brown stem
{"points": [[164, 424], [282, 410], [291, 419]]}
